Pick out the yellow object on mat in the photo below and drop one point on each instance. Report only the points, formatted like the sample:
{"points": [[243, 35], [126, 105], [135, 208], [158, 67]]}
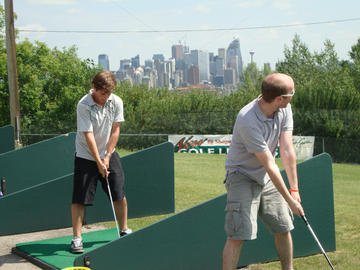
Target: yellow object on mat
{"points": [[77, 268]]}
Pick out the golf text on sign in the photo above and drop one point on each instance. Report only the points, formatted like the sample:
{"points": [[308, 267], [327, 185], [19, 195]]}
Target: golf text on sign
{"points": [[211, 144], [219, 144]]}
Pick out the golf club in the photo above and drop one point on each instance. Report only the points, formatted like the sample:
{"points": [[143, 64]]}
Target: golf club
{"points": [[112, 204], [317, 241]]}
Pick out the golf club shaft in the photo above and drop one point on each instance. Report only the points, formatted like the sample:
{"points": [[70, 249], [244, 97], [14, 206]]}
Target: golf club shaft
{"points": [[317, 241], [112, 205]]}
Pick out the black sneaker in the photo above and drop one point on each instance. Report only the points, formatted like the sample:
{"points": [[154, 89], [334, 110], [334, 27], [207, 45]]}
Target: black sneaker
{"points": [[125, 232], [76, 247]]}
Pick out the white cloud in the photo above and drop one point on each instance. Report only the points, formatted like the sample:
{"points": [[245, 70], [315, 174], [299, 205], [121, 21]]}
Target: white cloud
{"points": [[203, 8], [249, 4], [282, 4], [52, 2]]}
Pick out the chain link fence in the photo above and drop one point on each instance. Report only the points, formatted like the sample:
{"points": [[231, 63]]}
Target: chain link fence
{"points": [[341, 150]]}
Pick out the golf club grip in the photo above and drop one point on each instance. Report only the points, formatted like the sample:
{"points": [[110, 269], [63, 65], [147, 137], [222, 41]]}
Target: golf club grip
{"points": [[304, 219]]}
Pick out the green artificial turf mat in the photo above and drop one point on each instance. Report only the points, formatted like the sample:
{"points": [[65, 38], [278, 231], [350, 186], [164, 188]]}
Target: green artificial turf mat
{"points": [[56, 251]]}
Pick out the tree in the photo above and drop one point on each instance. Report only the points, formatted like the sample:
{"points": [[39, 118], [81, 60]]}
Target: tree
{"points": [[355, 66], [51, 82], [325, 90]]}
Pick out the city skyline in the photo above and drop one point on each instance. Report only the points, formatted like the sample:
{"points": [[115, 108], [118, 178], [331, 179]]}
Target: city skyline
{"points": [[123, 29]]}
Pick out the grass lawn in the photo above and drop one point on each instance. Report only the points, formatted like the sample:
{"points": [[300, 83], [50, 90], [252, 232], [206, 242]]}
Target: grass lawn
{"points": [[199, 178]]}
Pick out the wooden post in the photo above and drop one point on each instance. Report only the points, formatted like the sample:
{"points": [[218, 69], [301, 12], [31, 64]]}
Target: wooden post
{"points": [[12, 71]]}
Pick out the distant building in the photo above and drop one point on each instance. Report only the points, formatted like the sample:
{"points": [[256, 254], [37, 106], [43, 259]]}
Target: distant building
{"points": [[159, 57], [233, 63], [135, 62], [201, 59], [229, 76], [194, 75], [218, 80], [220, 65], [177, 52], [149, 63], [125, 64], [222, 54], [103, 61], [234, 50]]}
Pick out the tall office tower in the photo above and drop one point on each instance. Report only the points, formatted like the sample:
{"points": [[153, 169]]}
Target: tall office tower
{"points": [[212, 69], [177, 52], [160, 68], [234, 64], [149, 63], [135, 61], [229, 76], [170, 68], [211, 57], [178, 78], [186, 49], [194, 75], [125, 64], [186, 65], [220, 64], [222, 54], [201, 59], [234, 50], [138, 75], [103, 61], [159, 57]]}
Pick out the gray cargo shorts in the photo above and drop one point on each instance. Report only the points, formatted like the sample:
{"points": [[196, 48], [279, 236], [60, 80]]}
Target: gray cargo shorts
{"points": [[246, 199]]}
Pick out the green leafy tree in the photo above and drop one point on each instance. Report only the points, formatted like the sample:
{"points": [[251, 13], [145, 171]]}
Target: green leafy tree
{"points": [[51, 82], [354, 67], [325, 90]]}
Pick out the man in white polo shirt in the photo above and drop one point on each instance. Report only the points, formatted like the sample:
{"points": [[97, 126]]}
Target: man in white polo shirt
{"points": [[99, 114], [253, 181]]}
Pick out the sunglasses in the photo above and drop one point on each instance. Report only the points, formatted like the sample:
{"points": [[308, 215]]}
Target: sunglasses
{"points": [[289, 95]]}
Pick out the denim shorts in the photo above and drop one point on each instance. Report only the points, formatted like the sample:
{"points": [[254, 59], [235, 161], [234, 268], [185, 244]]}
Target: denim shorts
{"points": [[86, 177], [246, 199]]}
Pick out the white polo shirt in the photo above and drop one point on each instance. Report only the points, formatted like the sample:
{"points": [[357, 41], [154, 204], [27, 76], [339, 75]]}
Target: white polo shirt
{"points": [[91, 117], [254, 132]]}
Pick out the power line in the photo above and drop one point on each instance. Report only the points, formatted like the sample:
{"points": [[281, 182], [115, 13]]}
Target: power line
{"points": [[189, 30]]}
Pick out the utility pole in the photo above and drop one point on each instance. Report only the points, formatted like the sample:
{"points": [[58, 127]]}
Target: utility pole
{"points": [[12, 71]]}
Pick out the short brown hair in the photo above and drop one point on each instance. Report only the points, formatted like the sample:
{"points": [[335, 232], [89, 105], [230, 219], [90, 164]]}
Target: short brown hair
{"points": [[104, 80], [274, 85]]}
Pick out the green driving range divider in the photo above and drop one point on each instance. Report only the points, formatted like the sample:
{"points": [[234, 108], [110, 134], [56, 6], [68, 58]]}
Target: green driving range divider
{"points": [[38, 163], [7, 139], [149, 187], [194, 239]]}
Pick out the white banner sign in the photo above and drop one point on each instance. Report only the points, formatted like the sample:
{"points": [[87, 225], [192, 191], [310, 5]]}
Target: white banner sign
{"points": [[219, 144]]}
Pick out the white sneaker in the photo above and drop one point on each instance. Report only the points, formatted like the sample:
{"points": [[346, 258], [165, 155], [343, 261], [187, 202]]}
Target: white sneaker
{"points": [[76, 246], [125, 232]]}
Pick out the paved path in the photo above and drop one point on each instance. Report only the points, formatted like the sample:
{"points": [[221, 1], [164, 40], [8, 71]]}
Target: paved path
{"points": [[11, 261]]}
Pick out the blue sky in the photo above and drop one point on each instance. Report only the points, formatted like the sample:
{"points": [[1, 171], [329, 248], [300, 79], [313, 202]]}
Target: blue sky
{"points": [[129, 15]]}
